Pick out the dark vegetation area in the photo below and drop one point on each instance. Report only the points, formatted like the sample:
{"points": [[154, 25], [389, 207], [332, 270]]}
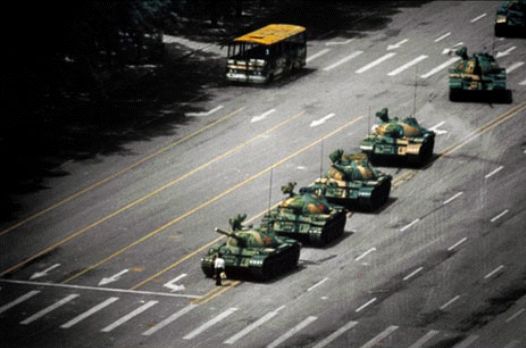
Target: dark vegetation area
{"points": [[83, 78]]}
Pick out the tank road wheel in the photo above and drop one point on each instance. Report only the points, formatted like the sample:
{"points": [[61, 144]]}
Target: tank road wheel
{"points": [[207, 267], [506, 97], [334, 230], [378, 197], [424, 154]]}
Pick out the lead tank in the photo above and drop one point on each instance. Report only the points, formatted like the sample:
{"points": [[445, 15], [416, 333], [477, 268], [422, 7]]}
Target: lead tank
{"points": [[478, 77], [398, 139], [252, 252], [307, 217], [353, 182]]}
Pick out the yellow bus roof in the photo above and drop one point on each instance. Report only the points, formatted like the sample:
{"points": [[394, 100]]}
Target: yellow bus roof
{"points": [[271, 34]]}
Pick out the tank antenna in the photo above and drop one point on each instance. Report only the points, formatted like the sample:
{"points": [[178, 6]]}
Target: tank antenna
{"points": [[368, 120], [270, 188], [321, 158], [414, 96]]}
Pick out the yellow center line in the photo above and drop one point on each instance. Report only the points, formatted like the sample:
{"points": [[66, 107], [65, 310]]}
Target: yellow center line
{"points": [[209, 202], [398, 180], [149, 195], [119, 173], [216, 292]]}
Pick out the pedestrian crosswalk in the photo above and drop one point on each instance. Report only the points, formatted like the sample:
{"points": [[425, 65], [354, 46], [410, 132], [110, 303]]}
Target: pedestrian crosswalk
{"points": [[359, 333]]}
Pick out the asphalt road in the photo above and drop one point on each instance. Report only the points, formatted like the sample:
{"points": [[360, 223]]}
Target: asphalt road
{"points": [[109, 255]]}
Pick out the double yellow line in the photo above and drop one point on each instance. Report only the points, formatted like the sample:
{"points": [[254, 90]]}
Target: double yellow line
{"points": [[149, 195], [119, 173]]}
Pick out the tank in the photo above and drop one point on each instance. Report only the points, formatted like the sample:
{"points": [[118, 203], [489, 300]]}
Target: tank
{"points": [[478, 77], [511, 19], [351, 181], [252, 252], [395, 139], [306, 216]]}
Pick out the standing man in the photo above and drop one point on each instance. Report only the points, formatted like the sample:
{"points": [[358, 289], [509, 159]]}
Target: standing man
{"points": [[219, 267]]}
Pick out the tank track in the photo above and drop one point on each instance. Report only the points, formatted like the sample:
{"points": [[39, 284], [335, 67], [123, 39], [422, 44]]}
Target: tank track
{"points": [[275, 265]]}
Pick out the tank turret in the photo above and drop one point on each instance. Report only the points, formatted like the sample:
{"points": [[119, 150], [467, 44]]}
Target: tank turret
{"points": [[398, 139], [305, 216], [478, 77], [252, 252], [353, 182]]}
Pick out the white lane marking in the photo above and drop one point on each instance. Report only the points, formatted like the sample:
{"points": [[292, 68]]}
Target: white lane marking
{"points": [[345, 42], [48, 309], [322, 120], [94, 288], [380, 337], [327, 340], [409, 224], [89, 313], [317, 284], [522, 83], [113, 278], [262, 116], [204, 114], [169, 320], [519, 312], [343, 60], [478, 17], [44, 272], [210, 323], [440, 67], [412, 274], [129, 316], [466, 342], [514, 66], [442, 37], [397, 45], [438, 131], [512, 344], [301, 167], [255, 325], [365, 254], [505, 53], [376, 62], [457, 244], [368, 303], [490, 174], [496, 270], [451, 50], [307, 321], [175, 287], [19, 300], [495, 218], [452, 198], [445, 305], [407, 65], [318, 54], [424, 339]]}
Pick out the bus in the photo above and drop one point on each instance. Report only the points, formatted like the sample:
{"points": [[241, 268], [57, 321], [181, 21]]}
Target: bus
{"points": [[267, 53]]}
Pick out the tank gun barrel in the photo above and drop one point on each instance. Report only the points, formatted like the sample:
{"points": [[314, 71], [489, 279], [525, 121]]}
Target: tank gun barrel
{"points": [[228, 234]]}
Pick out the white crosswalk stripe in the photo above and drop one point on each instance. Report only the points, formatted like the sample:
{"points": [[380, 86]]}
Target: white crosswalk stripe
{"points": [[343, 60], [317, 54], [129, 316], [210, 323], [18, 300], [327, 340], [169, 320], [407, 65], [440, 67], [424, 339], [306, 322], [381, 336], [514, 66], [253, 326], [466, 342], [376, 62], [88, 313], [48, 309]]}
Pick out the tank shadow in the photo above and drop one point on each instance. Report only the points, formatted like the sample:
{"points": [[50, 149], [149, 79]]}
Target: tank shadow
{"points": [[491, 97], [390, 201]]}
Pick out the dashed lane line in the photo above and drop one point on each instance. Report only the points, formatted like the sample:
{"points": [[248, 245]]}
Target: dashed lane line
{"points": [[512, 344], [129, 316], [49, 309], [407, 65], [169, 320], [317, 284], [365, 254], [440, 67], [149, 195], [119, 173], [515, 315], [210, 323], [255, 325], [493, 172], [210, 201], [442, 37], [98, 288], [88, 313], [473, 20], [450, 302], [380, 337], [327, 340], [343, 60], [376, 62], [412, 274], [317, 55], [334, 43], [424, 339], [495, 218], [495, 271], [514, 66], [366, 304], [19, 300], [303, 324], [457, 244], [466, 342], [409, 224], [452, 198]]}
